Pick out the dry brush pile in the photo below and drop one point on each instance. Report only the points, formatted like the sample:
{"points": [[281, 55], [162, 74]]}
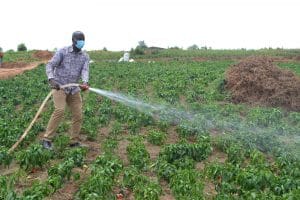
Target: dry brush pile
{"points": [[258, 81]]}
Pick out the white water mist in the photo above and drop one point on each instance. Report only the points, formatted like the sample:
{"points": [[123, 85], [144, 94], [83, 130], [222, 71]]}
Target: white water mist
{"points": [[203, 121], [157, 111]]}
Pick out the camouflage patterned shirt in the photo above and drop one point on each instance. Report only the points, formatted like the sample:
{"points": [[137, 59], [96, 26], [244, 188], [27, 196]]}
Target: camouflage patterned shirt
{"points": [[67, 66]]}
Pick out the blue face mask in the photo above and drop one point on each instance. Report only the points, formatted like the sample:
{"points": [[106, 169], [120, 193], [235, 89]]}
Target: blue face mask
{"points": [[79, 44]]}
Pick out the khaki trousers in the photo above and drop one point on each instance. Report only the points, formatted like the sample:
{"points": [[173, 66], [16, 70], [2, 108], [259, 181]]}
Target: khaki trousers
{"points": [[74, 102]]}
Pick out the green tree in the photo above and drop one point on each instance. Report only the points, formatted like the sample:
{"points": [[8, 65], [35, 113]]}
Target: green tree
{"points": [[139, 49], [22, 47], [175, 47], [193, 47], [142, 45]]}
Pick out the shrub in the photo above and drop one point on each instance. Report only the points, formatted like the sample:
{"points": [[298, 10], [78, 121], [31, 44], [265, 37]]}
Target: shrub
{"points": [[61, 142], [138, 51], [137, 153], [156, 137], [151, 191], [22, 47], [193, 47], [34, 156], [5, 157], [186, 184]]}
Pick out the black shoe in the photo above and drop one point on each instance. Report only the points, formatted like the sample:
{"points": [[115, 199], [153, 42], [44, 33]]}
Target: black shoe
{"points": [[47, 144], [75, 144]]}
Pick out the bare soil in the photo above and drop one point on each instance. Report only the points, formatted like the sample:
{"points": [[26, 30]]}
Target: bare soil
{"points": [[152, 149], [209, 189], [8, 70], [297, 58], [121, 151], [167, 193], [172, 136], [215, 156], [43, 55]]}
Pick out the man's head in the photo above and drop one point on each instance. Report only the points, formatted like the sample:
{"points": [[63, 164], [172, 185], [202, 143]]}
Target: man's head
{"points": [[78, 40]]}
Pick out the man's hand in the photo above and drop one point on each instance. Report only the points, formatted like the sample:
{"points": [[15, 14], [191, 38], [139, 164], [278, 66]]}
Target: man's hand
{"points": [[84, 86], [53, 84]]}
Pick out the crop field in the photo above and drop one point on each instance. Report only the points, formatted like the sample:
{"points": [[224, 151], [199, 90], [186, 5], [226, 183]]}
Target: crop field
{"points": [[198, 145]]}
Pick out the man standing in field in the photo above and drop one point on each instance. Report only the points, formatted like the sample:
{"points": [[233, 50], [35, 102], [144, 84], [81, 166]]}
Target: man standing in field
{"points": [[67, 66]]}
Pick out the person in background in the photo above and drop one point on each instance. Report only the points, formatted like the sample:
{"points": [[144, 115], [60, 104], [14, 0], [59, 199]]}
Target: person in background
{"points": [[125, 58], [68, 65], [1, 58]]}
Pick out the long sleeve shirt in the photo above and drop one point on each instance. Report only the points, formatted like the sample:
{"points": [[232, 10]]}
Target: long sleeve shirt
{"points": [[68, 66]]}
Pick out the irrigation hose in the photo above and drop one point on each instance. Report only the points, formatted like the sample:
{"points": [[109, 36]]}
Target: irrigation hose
{"points": [[36, 116]]}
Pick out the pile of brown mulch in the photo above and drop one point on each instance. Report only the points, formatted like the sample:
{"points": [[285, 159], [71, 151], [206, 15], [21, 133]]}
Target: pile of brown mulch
{"points": [[43, 55], [257, 81]]}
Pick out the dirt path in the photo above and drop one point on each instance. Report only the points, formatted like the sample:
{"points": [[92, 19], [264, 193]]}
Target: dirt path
{"points": [[18, 68]]}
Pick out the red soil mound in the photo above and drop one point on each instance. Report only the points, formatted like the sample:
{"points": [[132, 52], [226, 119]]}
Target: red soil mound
{"points": [[43, 55], [257, 81]]}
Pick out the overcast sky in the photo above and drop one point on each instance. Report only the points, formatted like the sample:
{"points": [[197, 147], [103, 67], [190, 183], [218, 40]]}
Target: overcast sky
{"points": [[120, 24]]}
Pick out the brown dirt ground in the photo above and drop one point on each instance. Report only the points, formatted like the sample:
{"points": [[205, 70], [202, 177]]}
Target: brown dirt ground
{"points": [[209, 189], [257, 81], [27, 181], [43, 55], [167, 193], [172, 136], [182, 102], [13, 167], [152, 149], [9, 70], [10, 65], [297, 58], [215, 156], [121, 151], [149, 91]]}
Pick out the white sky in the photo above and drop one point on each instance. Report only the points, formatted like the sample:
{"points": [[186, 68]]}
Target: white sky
{"points": [[120, 24]]}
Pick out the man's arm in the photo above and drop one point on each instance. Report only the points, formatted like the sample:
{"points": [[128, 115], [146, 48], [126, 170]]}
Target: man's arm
{"points": [[54, 62]]}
